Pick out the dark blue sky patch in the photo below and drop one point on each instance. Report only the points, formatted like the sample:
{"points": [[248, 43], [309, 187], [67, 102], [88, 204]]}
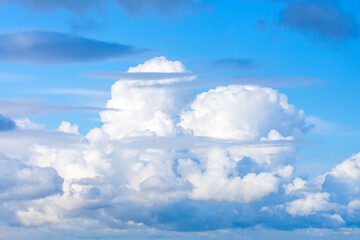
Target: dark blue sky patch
{"points": [[319, 17], [234, 63], [6, 124]]}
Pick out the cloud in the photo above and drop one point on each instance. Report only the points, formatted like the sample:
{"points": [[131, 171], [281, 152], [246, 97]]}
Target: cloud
{"points": [[159, 65], [213, 82], [6, 124], [26, 123], [68, 128], [40, 47], [343, 179], [311, 204], [125, 158], [349, 169], [319, 17], [169, 161], [145, 111]]}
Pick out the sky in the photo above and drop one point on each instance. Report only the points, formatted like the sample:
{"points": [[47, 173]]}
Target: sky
{"points": [[179, 119]]}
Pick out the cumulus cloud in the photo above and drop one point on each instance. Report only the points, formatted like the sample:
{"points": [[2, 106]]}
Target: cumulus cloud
{"points": [[212, 182], [297, 184], [319, 17], [168, 161], [349, 169], [342, 181], [311, 204], [68, 128], [26, 123], [41, 47], [159, 64], [145, 111]]}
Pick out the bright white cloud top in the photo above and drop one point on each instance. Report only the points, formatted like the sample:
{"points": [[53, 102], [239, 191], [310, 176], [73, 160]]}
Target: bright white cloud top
{"points": [[172, 159]]}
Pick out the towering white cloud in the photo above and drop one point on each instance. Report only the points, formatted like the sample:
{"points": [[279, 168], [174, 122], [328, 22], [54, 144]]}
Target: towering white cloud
{"points": [[243, 113], [145, 110]]}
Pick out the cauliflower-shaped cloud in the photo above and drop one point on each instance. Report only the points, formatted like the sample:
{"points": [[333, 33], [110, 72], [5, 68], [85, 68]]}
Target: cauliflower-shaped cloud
{"points": [[176, 160]]}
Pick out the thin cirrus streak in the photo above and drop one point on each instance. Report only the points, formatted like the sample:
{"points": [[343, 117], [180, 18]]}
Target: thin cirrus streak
{"points": [[139, 75], [44, 47], [26, 107], [71, 91]]}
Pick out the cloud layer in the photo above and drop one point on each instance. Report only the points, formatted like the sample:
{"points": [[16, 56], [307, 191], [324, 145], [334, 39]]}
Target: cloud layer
{"points": [[40, 47], [173, 159]]}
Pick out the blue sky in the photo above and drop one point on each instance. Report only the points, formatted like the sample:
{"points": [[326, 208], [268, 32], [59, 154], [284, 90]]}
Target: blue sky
{"points": [[198, 119]]}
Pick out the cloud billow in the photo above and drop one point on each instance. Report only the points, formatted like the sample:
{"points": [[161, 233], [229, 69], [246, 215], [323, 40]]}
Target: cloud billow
{"points": [[19, 181], [41, 47]]}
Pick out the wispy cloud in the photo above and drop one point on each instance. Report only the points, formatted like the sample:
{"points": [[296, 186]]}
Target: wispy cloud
{"points": [[271, 81], [139, 75], [41, 47], [27, 106], [11, 77], [71, 91]]}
